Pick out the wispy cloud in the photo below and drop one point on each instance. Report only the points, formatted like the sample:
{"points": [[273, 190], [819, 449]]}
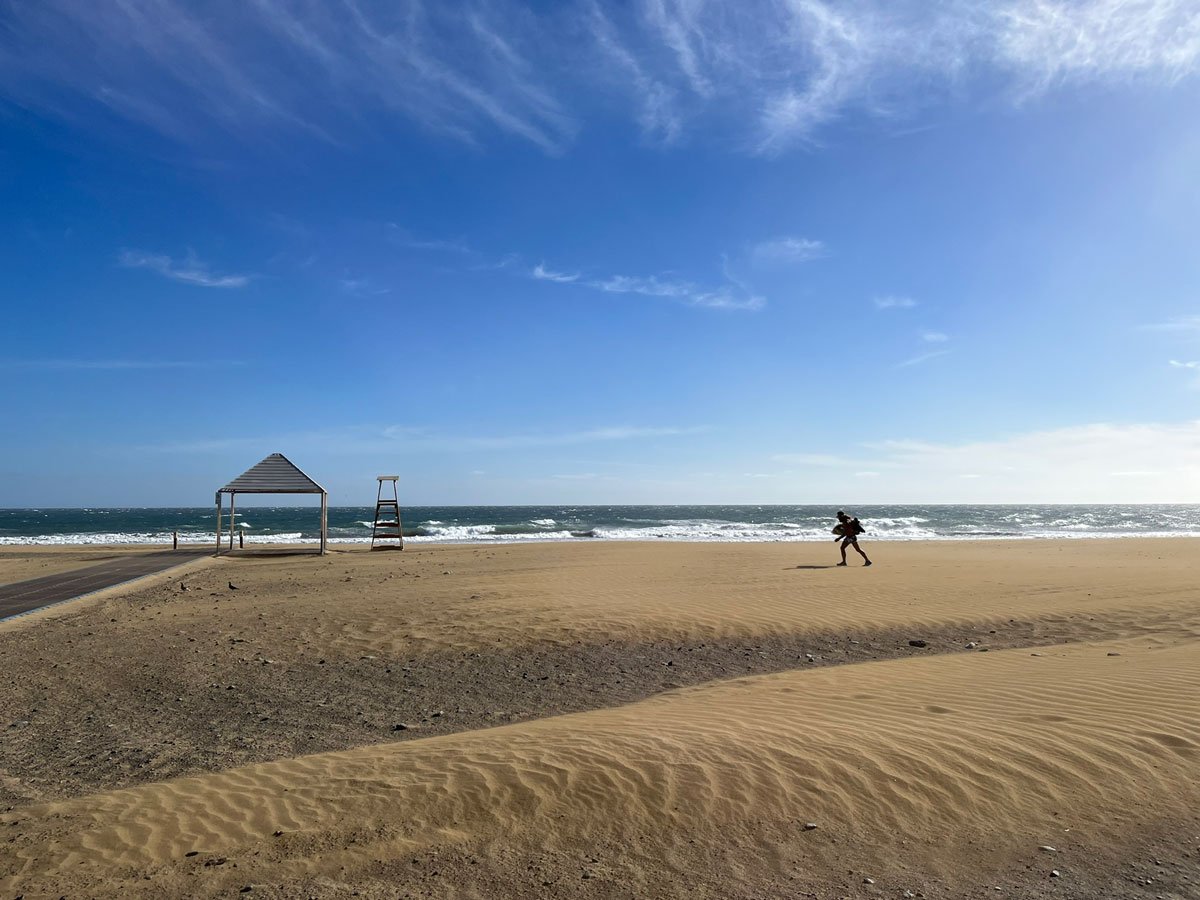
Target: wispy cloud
{"points": [[733, 296], [401, 237], [924, 357], [189, 270], [1192, 366], [934, 337], [803, 63], [788, 250], [318, 68], [892, 302], [684, 291], [658, 103], [363, 287], [764, 75], [114, 364], [1048, 41], [541, 273]]}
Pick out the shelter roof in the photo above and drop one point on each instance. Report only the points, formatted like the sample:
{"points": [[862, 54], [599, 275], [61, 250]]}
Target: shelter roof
{"points": [[274, 475]]}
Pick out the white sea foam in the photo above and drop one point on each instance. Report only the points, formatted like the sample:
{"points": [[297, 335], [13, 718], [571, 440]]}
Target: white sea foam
{"points": [[472, 534], [186, 539], [453, 532], [106, 538], [715, 524]]}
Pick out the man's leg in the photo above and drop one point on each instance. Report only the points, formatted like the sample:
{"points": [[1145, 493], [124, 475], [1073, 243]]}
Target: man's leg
{"points": [[860, 553], [843, 548]]}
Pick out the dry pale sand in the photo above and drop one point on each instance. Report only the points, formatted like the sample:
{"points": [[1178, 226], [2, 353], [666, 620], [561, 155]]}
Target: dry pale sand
{"points": [[938, 773]]}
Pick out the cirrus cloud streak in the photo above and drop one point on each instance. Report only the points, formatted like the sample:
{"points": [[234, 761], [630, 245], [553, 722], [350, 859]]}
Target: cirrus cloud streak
{"points": [[733, 297], [189, 271], [770, 73]]}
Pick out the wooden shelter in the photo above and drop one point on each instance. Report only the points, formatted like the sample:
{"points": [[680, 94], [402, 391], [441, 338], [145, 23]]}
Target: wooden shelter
{"points": [[274, 475]]}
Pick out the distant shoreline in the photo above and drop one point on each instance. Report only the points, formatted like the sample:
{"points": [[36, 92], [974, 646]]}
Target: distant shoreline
{"points": [[509, 524]]}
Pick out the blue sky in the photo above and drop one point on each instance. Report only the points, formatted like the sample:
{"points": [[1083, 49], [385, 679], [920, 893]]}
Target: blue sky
{"points": [[584, 252]]}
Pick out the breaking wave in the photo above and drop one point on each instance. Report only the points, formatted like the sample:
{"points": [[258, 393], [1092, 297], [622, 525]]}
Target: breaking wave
{"points": [[495, 524]]}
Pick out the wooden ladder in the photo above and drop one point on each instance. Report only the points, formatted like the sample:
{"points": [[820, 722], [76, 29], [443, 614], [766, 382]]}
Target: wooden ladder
{"points": [[387, 533]]}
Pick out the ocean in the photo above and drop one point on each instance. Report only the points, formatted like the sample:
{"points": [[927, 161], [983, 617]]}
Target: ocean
{"points": [[506, 524]]}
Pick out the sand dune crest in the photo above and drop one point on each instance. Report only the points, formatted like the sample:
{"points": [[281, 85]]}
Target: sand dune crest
{"points": [[940, 754]]}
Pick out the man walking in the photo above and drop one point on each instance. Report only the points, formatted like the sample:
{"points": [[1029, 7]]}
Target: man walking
{"points": [[847, 530]]}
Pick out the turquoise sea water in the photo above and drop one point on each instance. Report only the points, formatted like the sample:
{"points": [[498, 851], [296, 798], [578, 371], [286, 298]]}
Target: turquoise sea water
{"points": [[581, 523]]}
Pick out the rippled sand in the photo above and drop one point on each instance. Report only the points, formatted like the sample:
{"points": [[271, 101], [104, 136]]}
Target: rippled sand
{"points": [[944, 773]]}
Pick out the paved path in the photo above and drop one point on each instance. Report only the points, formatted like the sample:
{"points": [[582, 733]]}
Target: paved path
{"points": [[25, 596]]}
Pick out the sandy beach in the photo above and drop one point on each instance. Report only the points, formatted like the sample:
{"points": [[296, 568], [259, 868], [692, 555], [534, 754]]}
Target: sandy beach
{"points": [[963, 719]]}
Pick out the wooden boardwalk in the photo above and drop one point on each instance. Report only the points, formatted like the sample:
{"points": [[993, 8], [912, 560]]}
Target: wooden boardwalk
{"points": [[26, 596]]}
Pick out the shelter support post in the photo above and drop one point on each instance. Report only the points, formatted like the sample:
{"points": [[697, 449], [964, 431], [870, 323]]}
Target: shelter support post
{"points": [[218, 553], [324, 520], [232, 517]]}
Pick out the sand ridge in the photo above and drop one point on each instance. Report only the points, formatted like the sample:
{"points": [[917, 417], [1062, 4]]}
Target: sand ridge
{"points": [[893, 761]]}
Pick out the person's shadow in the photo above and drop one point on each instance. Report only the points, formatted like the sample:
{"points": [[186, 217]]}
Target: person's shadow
{"points": [[810, 567]]}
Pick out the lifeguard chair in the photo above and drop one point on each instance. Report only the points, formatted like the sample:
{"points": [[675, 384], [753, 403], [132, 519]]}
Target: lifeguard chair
{"points": [[387, 533]]}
